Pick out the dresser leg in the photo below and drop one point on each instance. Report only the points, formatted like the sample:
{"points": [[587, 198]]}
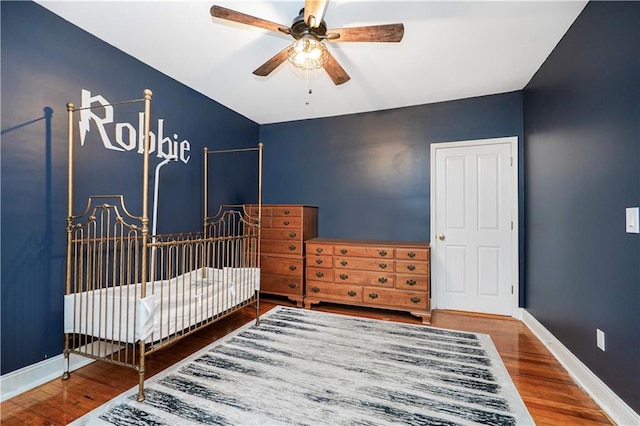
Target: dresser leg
{"points": [[426, 317], [308, 302], [297, 300]]}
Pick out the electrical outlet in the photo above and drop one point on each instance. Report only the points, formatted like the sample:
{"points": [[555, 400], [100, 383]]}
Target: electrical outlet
{"points": [[633, 220], [600, 339]]}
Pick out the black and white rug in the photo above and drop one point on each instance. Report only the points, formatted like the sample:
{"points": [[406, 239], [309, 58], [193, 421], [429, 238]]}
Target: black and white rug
{"points": [[314, 368]]}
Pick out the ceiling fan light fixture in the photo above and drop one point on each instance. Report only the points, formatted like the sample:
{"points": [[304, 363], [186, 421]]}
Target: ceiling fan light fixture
{"points": [[308, 53]]}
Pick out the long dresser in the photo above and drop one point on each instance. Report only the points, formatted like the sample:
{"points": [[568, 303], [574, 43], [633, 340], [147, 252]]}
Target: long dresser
{"points": [[382, 274], [285, 227]]}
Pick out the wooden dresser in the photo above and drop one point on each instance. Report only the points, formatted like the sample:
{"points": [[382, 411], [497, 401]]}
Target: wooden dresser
{"points": [[382, 274], [284, 231]]}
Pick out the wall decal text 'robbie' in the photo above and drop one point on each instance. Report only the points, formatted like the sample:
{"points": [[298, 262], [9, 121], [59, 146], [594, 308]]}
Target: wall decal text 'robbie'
{"points": [[126, 136]]}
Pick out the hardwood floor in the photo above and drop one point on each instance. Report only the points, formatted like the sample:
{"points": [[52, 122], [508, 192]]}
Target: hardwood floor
{"points": [[547, 390]]}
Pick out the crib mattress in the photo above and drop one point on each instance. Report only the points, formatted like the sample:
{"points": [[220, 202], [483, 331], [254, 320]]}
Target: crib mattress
{"points": [[120, 314]]}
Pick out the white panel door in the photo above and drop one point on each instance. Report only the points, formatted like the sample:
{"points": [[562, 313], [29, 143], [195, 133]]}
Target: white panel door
{"points": [[472, 230]]}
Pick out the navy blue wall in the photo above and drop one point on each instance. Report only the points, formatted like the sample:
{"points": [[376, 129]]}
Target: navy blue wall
{"points": [[45, 63], [369, 173], [582, 152]]}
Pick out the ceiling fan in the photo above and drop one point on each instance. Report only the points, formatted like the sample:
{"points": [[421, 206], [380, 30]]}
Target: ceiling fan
{"points": [[310, 32]]}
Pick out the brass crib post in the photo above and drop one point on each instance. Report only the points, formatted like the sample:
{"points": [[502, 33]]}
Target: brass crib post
{"points": [[70, 112], [206, 190], [145, 230], [206, 261], [260, 147]]}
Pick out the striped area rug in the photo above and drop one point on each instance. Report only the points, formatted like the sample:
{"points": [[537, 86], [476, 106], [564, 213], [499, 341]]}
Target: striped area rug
{"points": [[314, 368]]}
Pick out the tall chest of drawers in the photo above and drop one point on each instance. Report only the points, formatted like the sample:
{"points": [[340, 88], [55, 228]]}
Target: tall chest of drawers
{"points": [[285, 227], [383, 274]]}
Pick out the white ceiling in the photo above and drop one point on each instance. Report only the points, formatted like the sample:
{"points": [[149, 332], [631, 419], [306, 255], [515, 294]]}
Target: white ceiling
{"points": [[451, 50]]}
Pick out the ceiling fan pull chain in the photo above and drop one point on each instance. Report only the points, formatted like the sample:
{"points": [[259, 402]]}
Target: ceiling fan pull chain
{"points": [[309, 91]]}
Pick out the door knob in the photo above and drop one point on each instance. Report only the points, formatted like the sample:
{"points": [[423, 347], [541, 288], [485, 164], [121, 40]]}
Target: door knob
{"points": [[441, 237]]}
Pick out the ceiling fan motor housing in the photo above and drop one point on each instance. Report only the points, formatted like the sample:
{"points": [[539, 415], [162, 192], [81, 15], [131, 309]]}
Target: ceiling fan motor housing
{"points": [[299, 28]]}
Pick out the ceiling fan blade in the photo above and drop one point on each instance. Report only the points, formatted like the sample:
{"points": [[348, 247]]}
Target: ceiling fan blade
{"points": [[392, 33], [243, 18], [335, 71], [273, 63], [314, 12]]}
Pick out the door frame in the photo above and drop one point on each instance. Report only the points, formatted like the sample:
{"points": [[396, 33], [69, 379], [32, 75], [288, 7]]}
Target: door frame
{"points": [[515, 240]]}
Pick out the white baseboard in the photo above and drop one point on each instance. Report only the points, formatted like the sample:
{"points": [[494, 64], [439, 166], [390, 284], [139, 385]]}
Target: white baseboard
{"points": [[31, 376], [610, 403]]}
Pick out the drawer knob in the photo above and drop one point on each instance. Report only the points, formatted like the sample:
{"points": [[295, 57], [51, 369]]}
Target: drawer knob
{"points": [[292, 234], [411, 254], [292, 267], [382, 280], [373, 295], [292, 247], [415, 299], [315, 289], [286, 223], [292, 285], [344, 263], [319, 274], [344, 276], [383, 266], [344, 251], [411, 267], [352, 293], [382, 253], [411, 282], [319, 261], [287, 212], [319, 250]]}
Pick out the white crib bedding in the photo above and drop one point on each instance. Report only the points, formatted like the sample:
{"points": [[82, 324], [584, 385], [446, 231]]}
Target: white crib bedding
{"points": [[120, 314]]}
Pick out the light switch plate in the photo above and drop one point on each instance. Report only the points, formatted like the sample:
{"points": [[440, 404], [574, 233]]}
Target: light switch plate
{"points": [[600, 339], [633, 220]]}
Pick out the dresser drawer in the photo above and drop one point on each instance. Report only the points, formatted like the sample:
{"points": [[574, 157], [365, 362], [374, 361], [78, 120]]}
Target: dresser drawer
{"points": [[321, 249], [320, 261], [347, 276], [412, 282], [266, 222], [282, 247], [281, 284], [286, 222], [281, 234], [412, 254], [252, 210], [319, 274], [410, 267], [287, 211], [291, 267], [335, 292], [364, 251], [405, 299], [344, 262]]}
